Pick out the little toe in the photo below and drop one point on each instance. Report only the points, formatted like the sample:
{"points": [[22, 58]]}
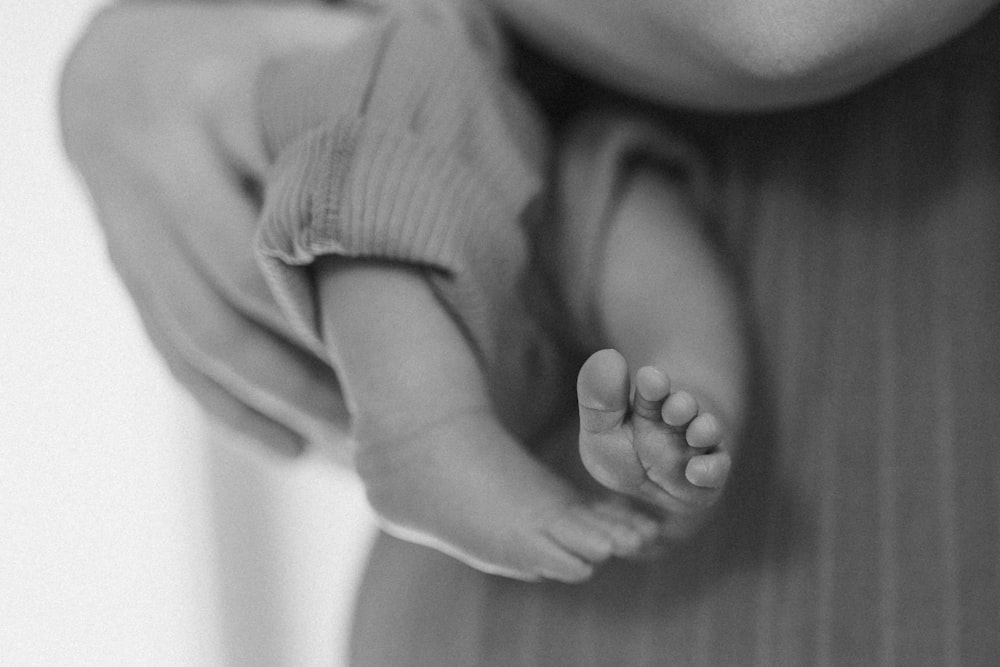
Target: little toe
{"points": [[679, 409], [704, 432], [651, 387], [709, 471], [602, 391]]}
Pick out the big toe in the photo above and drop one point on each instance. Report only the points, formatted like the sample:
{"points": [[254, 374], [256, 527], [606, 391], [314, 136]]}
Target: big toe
{"points": [[602, 389]]}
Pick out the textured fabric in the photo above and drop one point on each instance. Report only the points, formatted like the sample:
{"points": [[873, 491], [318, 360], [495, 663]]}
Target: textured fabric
{"points": [[411, 146], [863, 523]]}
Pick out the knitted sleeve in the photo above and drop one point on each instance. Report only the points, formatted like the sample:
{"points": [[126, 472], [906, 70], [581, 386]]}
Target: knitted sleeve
{"points": [[409, 145]]}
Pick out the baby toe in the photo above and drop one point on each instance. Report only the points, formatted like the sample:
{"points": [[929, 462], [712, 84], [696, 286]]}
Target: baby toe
{"points": [[704, 431], [679, 409], [651, 386], [565, 568], [708, 471], [602, 392]]}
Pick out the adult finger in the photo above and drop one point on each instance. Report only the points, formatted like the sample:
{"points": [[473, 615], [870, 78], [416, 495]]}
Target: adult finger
{"points": [[191, 315]]}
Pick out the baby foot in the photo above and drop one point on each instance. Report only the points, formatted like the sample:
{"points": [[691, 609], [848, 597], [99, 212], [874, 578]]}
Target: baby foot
{"points": [[465, 487], [661, 447]]}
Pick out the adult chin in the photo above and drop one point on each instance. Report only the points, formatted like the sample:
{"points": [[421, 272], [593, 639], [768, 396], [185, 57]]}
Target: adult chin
{"points": [[737, 55]]}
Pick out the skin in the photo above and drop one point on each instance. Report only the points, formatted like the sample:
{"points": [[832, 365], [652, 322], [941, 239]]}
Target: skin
{"points": [[156, 116], [740, 55]]}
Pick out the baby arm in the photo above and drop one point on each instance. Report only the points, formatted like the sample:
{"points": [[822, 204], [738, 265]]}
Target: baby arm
{"points": [[438, 467]]}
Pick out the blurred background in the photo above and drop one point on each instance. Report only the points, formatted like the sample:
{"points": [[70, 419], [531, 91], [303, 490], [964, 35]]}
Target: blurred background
{"points": [[132, 532]]}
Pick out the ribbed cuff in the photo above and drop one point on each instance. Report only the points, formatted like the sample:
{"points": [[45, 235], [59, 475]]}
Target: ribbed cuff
{"points": [[410, 145], [356, 191]]}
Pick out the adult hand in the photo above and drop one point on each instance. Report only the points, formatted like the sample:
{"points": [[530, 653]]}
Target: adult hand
{"points": [[157, 116]]}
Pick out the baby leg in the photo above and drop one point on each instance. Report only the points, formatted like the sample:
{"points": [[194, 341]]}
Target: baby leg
{"points": [[665, 304]]}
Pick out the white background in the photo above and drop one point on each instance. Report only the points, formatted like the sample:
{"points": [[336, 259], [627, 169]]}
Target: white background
{"points": [[126, 537]]}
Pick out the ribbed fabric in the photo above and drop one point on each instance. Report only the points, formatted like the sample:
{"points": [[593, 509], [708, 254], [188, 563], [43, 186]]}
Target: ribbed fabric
{"points": [[411, 146], [862, 526]]}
